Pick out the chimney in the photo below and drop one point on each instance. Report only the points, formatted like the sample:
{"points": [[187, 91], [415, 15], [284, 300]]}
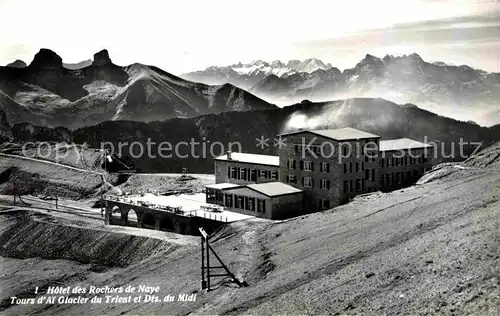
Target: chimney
{"points": [[228, 155]]}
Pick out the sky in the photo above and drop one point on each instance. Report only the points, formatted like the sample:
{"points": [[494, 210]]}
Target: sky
{"points": [[187, 35]]}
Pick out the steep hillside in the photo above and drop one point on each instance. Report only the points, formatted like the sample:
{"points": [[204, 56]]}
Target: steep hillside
{"points": [[429, 249], [47, 93]]}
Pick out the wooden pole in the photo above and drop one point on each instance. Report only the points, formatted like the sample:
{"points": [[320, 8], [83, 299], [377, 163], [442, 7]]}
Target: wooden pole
{"points": [[208, 264], [203, 284]]}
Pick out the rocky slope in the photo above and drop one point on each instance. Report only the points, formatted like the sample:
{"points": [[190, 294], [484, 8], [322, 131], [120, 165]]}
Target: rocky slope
{"points": [[47, 93], [460, 92], [429, 249], [17, 64]]}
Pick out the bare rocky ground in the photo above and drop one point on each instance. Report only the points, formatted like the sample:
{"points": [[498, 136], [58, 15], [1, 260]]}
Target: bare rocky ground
{"points": [[431, 249]]}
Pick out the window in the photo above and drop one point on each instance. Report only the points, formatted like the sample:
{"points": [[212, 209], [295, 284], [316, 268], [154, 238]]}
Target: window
{"points": [[367, 174], [239, 202], [315, 149], [307, 182], [345, 167], [261, 206], [344, 150], [274, 175], [291, 178], [243, 175], [308, 165], [210, 194], [358, 185], [324, 184], [229, 200], [291, 163], [325, 204], [325, 167], [253, 175], [346, 187], [232, 172], [251, 204]]}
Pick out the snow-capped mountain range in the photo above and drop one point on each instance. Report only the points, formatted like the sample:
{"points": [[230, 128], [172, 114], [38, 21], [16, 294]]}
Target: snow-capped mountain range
{"points": [[279, 68], [248, 74], [461, 92]]}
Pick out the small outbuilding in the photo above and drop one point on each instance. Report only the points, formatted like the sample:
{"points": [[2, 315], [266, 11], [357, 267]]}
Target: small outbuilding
{"points": [[271, 200]]}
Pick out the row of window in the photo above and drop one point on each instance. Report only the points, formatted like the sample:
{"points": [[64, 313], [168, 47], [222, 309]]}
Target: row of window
{"points": [[351, 186], [358, 165], [250, 174], [308, 182], [245, 203], [393, 178], [347, 149], [402, 161], [308, 165]]}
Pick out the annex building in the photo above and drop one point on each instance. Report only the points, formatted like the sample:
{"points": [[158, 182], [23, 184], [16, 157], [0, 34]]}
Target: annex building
{"points": [[315, 170]]}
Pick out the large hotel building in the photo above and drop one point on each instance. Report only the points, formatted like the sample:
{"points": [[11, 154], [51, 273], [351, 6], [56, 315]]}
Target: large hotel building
{"points": [[316, 170]]}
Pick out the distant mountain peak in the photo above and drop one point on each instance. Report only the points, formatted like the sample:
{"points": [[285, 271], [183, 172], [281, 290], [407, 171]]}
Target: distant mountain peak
{"points": [[101, 58], [17, 64], [46, 59], [371, 61]]}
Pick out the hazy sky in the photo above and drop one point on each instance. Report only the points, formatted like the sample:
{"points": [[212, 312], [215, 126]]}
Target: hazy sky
{"points": [[181, 36]]}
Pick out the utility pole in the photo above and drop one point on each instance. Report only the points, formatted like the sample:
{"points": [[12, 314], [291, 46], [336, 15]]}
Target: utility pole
{"points": [[206, 249]]}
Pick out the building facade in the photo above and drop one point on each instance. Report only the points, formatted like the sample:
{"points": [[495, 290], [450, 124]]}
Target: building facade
{"points": [[330, 166], [325, 167], [271, 200], [242, 168], [402, 162]]}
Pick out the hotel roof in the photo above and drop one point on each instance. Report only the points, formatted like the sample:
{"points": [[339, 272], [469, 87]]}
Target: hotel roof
{"points": [[252, 158], [347, 133], [401, 143], [273, 188], [223, 186]]}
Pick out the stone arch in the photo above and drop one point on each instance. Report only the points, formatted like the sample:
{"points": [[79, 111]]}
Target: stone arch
{"points": [[116, 212], [132, 218], [148, 220], [167, 223], [182, 228]]}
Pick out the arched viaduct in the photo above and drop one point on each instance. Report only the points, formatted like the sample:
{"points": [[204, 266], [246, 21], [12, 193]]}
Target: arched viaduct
{"points": [[127, 214]]}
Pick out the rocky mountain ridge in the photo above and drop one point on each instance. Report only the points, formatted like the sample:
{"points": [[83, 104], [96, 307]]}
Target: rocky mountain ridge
{"points": [[461, 92], [47, 93]]}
